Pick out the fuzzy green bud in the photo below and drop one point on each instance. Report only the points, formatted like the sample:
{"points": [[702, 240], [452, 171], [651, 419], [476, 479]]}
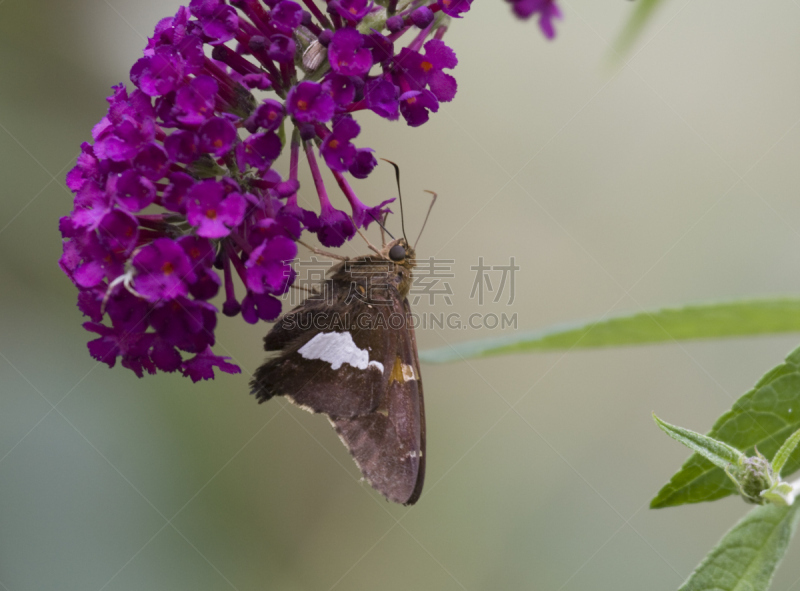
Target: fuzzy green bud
{"points": [[753, 476]]}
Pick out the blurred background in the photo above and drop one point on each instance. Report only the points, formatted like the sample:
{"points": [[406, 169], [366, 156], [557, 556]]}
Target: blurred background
{"points": [[618, 185]]}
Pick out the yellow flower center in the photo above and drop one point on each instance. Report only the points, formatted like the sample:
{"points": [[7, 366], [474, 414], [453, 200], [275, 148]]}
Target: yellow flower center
{"points": [[167, 268], [302, 105]]}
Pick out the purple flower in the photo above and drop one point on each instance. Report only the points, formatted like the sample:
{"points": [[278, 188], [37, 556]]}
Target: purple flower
{"points": [[217, 136], [165, 356], [152, 162], [421, 71], [338, 151], [334, 227], [286, 16], [267, 267], [352, 10], [186, 324], [134, 192], [363, 215], [347, 53], [259, 150], [363, 163], [114, 342], [126, 311], [206, 286], [414, 105], [92, 202], [201, 256], [183, 146], [128, 126], [88, 261], [309, 102], [218, 21], [201, 366], [168, 194], [118, 232], [547, 10], [341, 88], [381, 96], [174, 198], [381, 47], [260, 81], [281, 49], [439, 56], [194, 103], [261, 306], [86, 168], [455, 8], [199, 250], [211, 211], [160, 73], [162, 271], [268, 116]]}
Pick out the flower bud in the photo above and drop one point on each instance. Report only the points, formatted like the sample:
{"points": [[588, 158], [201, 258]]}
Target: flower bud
{"points": [[422, 17], [754, 475], [395, 23]]}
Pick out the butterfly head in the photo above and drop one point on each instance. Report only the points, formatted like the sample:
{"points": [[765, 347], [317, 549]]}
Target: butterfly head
{"points": [[402, 255]]}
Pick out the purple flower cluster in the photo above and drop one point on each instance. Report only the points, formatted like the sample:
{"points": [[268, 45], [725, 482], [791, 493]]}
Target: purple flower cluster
{"points": [[177, 195], [177, 198], [546, 9]]}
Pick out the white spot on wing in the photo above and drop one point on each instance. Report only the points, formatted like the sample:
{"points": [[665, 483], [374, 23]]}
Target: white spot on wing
{"points": [[338, 348], [408, 373]]}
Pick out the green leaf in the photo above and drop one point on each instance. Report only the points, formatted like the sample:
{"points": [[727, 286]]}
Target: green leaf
{"points": [[784, 452], [633, 29], [705, 321], [746, 557], [718, 453], [764, 417]]}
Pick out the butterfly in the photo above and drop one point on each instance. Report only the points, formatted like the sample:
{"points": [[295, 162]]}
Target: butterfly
{"points": [[349, 351]]}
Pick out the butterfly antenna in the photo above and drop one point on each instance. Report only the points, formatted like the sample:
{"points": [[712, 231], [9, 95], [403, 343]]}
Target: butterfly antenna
{"points": [[399, 196], [427, 215], [372, 215]]}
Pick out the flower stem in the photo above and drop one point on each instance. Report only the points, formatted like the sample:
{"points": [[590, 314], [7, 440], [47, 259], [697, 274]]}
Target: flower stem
{"points": [[314, 9], [317, 175]]}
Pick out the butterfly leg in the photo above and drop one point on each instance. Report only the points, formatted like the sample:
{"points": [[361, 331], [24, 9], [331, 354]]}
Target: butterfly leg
{"points": [[323, 253], [369, 244]]}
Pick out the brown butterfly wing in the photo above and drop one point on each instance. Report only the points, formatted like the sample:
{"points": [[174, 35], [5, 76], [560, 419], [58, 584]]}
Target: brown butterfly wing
{"points": [[329, 383], [388, 444]]}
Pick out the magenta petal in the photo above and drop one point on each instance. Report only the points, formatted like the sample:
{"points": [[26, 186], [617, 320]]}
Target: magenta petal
{"points": [[443, 86], [217, 136], [347, 54], [201, 366], [89, 274], [440, 55]]}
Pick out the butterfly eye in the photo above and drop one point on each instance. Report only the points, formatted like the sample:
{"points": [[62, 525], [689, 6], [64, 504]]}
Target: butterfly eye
{"points": [[397, 253]]}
